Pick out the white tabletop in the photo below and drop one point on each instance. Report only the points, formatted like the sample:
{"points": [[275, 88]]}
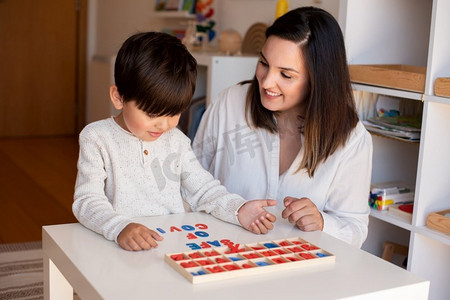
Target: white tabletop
{"points": [[99, 269]]}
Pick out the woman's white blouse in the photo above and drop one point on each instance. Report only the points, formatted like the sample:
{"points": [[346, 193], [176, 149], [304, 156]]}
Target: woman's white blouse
{"points": [[246, 161]]}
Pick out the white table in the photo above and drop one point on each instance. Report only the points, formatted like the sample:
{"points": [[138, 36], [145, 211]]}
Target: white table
{"points": [[75, 257]]}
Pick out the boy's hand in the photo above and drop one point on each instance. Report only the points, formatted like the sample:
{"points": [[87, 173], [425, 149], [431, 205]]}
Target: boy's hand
{"points": [[303, 213], [255, 218], [136, 237]]}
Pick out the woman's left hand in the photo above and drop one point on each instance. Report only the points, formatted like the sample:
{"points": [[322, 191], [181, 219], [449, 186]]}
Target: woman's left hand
{"points": [[303, 213]]}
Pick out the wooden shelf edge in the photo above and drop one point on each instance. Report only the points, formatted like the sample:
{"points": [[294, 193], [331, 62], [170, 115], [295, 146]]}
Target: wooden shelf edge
{"points": [[442, 87], [401, 77]]}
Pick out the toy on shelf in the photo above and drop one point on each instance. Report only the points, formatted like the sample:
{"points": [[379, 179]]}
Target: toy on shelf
{"points": [[382, 195], [205, 24], [200, 32], [282, 8], [230, 42], [237, 260], [403, 211], [254, 39]]}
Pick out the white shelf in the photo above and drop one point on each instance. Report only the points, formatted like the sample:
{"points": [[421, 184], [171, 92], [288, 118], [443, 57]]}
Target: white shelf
{"points": [[205, 58], [387, 91], [174, 14], [437, 99], [402, 223], [399, 93], [413, 32], [384, 215], [433, 234]]}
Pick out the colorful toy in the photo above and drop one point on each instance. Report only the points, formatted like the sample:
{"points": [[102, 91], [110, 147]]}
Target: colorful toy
{"points": [[282, 8], [200, 32], [386, 194], [204, 13], [237, 260]]}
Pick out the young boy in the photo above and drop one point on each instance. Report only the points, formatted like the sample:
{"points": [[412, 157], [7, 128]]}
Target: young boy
{"points": [[135, 164]]}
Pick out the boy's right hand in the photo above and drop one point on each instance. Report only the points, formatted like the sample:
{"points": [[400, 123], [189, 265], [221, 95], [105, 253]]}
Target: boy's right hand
{"points": [[253, 217], [136, 237]]}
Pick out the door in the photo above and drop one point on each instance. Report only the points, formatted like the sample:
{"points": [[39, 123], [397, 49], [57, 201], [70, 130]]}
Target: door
{"points": [[40, 67]]}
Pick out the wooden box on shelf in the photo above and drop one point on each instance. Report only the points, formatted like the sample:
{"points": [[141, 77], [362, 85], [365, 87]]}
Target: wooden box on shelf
{"points": [[442, 87], [403, 211], [439, 221], [402, 77]]}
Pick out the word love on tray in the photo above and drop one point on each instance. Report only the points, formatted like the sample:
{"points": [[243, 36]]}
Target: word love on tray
{"points": [[248, 259]]}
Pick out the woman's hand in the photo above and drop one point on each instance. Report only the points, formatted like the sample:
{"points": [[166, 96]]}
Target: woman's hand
{"points": [[136, 237], [303, 213], [255, 218]]}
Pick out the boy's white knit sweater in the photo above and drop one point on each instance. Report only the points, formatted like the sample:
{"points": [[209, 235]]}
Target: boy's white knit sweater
{"points": [[121, 177]]}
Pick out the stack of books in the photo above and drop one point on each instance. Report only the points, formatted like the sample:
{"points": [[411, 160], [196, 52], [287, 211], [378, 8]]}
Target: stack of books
{"points": [[397, 127]]}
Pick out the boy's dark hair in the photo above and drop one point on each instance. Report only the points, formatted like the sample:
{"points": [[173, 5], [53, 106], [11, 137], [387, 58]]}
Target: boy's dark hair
{"points": [[157, 71]]}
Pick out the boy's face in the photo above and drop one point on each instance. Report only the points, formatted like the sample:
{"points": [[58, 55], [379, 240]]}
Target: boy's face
{"points": [[138, 122], [143, 126]]}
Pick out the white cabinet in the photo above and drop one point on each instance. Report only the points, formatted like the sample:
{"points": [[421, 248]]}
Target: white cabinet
{"points": [[411, 32], [221, 71]]}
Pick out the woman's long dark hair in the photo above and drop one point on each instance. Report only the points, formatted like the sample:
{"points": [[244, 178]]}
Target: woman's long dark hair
{"points": [[330, 113]]}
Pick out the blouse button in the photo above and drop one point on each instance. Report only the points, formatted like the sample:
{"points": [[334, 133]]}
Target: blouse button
{"points": [[146, 152]]}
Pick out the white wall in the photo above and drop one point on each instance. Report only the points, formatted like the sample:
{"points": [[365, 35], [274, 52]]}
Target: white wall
{"points": [[241, 14], [110, 22]]}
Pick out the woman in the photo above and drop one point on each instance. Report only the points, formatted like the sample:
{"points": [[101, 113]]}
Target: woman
{"points": [[292, 133]]}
